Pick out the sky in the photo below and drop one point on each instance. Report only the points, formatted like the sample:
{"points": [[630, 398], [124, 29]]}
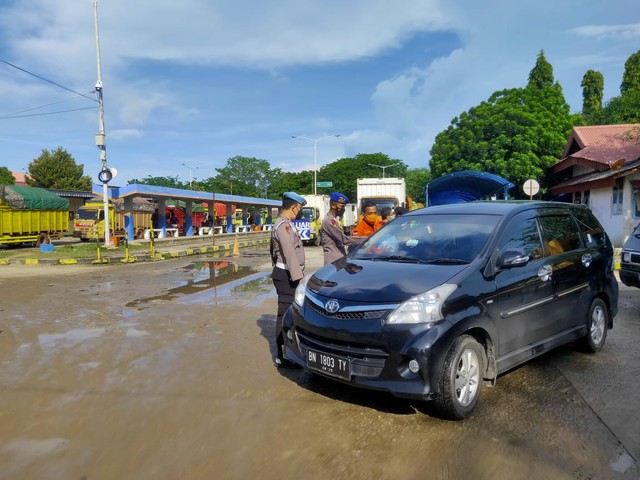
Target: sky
{"points": [[189, 84]]}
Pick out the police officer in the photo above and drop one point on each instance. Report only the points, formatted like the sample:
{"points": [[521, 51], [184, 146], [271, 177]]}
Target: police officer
{"points": [[332, 237], [288, 258]]}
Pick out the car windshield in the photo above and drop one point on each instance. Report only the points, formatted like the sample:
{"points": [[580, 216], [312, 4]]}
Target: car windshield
{"points": [[307, 214], [435, 239]]}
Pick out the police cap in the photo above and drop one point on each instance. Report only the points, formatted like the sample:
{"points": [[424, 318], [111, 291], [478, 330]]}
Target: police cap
{"points": [[295, 197], [338, 197]]}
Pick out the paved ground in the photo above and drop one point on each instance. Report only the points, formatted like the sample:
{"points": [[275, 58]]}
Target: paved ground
{"points": [[164, 369]]}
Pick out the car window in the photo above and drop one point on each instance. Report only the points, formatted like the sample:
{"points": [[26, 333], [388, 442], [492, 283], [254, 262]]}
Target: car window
{"points": [[592, 231], [428, 238], [522, 232], [560, 234]]}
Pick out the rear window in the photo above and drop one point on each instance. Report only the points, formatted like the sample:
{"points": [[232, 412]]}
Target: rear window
{"points": [[592, 232], [560, 234]]}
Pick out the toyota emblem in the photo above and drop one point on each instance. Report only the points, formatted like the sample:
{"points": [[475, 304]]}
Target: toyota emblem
{"points": [[332, 306]]}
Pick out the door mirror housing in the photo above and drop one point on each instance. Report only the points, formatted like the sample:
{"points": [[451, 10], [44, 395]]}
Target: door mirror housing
{"points": [[513, 257]]}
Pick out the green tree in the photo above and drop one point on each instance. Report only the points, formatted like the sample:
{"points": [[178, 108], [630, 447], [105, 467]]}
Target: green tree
{"points": [[416, 179], [246, 176], [622, 109], [626, 107], [592, 93], [171, 182], [541, 76], [631, 75], [6, 177], [345, 172], [300, 182], [516, 134], [58, 170]]}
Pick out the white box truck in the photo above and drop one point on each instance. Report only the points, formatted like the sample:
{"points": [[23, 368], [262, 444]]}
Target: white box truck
{"points": [[384, 192]]}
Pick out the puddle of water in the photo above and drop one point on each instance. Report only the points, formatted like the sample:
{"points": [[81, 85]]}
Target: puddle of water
{"points": [[223, 277], [623, 463], [71, 336]]}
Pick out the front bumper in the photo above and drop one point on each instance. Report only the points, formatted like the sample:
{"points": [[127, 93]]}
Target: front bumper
{"points": [[378, 355], [630, 275]]}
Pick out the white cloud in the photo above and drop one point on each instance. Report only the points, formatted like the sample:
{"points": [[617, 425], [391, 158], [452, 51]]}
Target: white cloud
{"points": [[124, 134], [604, 32], [150, 48]]}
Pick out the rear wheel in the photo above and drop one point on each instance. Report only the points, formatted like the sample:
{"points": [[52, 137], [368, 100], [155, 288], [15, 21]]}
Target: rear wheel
{"points": [[461, 378], [597, 319]]}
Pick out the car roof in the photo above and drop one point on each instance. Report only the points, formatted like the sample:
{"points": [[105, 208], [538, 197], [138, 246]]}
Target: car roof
{"points": [[497, 207]]}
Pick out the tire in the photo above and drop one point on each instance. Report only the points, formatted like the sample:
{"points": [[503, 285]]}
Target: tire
{"points": [[597, 319], [460, 379]]}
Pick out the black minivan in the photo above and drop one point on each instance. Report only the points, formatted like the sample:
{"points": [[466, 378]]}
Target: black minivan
{"points": [[630, 260], [442, 300]]}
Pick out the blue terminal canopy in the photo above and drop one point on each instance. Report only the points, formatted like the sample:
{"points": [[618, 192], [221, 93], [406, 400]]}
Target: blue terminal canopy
{"points": [[466, 186]]}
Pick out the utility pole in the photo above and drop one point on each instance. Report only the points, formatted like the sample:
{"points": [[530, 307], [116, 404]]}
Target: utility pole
{"points": [[101, 142]]}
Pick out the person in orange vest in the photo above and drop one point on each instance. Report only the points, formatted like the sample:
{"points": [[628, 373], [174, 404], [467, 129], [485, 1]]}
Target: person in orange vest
{"points": [[370, 221]]}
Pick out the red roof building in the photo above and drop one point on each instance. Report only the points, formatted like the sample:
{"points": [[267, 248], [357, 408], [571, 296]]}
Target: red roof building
{"points": [[601, 168]]}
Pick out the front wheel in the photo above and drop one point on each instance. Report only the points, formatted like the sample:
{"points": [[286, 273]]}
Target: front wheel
{"points": [[461, 378], [597, 319]]}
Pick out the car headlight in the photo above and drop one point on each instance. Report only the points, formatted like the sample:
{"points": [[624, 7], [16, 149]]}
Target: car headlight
{"points": [[298, 297], [423, 308], [626, 257]]}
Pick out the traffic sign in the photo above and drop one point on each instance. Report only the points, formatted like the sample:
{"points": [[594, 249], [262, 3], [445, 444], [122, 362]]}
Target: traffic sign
{"points": [[324, 184], [531, 187]]}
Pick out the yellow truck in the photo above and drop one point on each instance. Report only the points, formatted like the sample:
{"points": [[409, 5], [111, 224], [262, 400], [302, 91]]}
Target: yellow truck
{"points": [[89, 220], [31, 215]]}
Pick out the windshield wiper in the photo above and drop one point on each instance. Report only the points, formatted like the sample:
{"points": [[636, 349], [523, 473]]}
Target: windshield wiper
{"points": [[448, 261], [401, 258]]}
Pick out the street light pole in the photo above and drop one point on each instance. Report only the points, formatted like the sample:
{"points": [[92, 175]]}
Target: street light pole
{"points": [[194, 168], [315, 156], [383, 167]]}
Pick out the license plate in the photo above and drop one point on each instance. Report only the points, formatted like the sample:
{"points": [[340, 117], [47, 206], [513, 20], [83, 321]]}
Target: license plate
{"points": [[330, 364]]}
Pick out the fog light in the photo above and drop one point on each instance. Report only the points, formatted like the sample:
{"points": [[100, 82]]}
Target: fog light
{"points": [[290, 334], [414, 367]]}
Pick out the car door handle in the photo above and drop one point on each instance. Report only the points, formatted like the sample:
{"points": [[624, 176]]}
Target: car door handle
{"points": [[586, 259], [544, 272]]}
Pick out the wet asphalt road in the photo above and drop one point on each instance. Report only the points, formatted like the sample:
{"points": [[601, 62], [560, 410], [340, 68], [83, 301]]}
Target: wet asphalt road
{"points": [[163, 370]]}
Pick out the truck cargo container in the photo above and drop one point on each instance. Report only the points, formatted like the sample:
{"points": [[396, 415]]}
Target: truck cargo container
{"points": [[384, 192], [31, 215]]}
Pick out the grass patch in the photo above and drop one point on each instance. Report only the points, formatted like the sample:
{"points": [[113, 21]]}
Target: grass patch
{"points": [[75, 251]]}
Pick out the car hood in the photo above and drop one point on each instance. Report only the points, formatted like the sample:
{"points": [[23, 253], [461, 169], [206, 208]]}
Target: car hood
{"points": [[369, 281], [632, 243]]}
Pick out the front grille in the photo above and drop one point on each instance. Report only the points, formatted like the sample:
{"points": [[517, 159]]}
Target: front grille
{"points": [[365, 361], [360, 315], [635, 258]]}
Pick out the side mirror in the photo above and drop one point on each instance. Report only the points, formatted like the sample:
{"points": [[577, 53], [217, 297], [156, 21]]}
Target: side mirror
{"points": [[513, 257]]}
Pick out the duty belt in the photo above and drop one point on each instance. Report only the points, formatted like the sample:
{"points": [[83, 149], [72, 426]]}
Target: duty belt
{"points": [[284, 266]]}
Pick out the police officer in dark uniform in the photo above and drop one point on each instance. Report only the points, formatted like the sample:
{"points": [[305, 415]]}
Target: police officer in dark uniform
{"points": [[287, 253], [332, 237]]}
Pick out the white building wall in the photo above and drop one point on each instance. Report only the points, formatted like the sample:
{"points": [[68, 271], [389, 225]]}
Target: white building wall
{"points": [[618, 227], [601, 207]]}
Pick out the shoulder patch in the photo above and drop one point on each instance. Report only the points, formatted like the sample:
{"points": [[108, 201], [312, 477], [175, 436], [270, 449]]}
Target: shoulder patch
{"points": [[287, 227]]}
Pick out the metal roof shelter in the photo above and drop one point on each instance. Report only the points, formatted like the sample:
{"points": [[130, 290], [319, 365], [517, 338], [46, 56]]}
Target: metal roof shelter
{"points": [[466, 186], [162, 194]]}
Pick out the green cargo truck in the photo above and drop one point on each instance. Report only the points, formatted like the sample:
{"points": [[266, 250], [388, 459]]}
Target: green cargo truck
{"points": [[31, 215]]}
